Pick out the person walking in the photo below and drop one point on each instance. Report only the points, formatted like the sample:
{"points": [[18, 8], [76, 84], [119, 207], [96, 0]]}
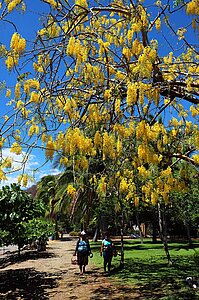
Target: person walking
{"points": [[82, 251], [107, 251]]}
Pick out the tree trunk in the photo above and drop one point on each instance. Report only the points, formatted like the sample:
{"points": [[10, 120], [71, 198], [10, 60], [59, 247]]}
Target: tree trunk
{"points": [[188, 233], [154, 233], [163, 233], [96, 233], [103, 224], [19, 251], [56, 227], [122, 249], [139, 228], [154, 228]]}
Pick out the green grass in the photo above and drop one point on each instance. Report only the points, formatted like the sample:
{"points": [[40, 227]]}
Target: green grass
{"points": [[147, 270]]}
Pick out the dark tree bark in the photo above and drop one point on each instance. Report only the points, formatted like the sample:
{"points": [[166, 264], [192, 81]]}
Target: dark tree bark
{"points": [[95, 237], [163, 231]]}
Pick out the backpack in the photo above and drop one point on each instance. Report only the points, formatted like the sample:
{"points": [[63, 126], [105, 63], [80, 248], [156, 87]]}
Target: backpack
{"points": [[107, 245], [82, 246]]}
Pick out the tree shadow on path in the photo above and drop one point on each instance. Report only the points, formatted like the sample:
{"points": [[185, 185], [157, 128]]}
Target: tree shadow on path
{"points": [[26, 284], [14, 258]]}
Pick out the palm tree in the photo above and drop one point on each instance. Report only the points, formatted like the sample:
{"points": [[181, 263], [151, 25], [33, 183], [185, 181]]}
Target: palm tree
{"points": [[46, 191]]}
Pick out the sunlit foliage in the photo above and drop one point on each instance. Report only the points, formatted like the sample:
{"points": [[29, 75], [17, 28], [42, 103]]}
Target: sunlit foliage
{"points": [[109, 86]]}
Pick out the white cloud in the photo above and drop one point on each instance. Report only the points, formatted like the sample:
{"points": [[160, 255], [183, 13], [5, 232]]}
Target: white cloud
{"points": [[31, 167], [46, 172]]}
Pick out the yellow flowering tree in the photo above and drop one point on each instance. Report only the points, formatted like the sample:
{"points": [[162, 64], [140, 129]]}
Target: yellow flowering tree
{"points": [[105, 82]]}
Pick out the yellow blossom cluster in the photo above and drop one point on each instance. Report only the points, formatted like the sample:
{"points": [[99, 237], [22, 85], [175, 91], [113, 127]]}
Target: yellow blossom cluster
{"points": [[131, 193], [50, 148], [143, 172], [137, 47], [117, 105], [98, 140], [63, 161], [82, 3], [132, 93], [145, 62], [52, 3], [75, 142], [41, 62], [2, 141], [8, 93], [23, 179], [2, 175], [94, 114], [123, 188], [108, 147], [17, 46], [7, 163], [93, 74], [196, 138], [84, 163], [119, 147], [71, 191], [33, 129], [12, 4], [76, 49], [34, 97], [17, 90], [102, 186], [127, 53], [69, 106], [52, 29], [149, 133], [31, 84], [123, 131], [193, 7], [158, 24], [196, 159], [103, 47], [147, 189], [16, 148], [147, 155], [154, 197], [11, 61]]}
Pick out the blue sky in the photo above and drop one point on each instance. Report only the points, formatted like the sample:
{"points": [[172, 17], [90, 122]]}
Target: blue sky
{"points": [[27, 25]]}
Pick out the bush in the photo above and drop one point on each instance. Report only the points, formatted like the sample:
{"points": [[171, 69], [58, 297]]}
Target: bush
{"points": [[74, 233]]}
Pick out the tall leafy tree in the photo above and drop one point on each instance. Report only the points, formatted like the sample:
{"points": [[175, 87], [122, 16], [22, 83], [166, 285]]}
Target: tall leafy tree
{"points": [[102, 75]]}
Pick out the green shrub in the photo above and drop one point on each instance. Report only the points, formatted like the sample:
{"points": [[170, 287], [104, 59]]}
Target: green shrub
{"points": [[74, 233]]}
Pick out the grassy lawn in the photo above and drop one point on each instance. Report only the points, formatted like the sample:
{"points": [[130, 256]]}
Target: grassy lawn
{"points": [[147, 270]]}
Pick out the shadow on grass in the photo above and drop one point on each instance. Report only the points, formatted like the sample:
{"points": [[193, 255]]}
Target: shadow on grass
{"points": [[157, 280], [115, 292], [26, 284], [136, 245], [14, 258]]}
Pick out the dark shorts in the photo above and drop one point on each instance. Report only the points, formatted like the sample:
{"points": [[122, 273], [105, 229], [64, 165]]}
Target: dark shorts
{"points": [[107, 255], [82, 258]]}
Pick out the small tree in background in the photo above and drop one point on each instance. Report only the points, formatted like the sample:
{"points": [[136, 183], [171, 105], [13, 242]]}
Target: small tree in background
{"points": [[17, 210]]}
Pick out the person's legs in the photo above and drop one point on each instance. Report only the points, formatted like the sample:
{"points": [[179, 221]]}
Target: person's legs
{"points": [[105, 256], [84, 269], [80, 269], [105, 263], [109, 264]]}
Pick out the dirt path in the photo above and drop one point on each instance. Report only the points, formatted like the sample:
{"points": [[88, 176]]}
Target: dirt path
{"points": [[51, 275]]}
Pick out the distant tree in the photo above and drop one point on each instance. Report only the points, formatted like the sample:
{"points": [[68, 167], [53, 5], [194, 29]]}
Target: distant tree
{"points": [[184, 207], [17, 209]]}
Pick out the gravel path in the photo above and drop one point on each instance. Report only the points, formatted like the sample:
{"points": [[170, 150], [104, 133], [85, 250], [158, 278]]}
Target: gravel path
{"points": [[50, 275]]}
